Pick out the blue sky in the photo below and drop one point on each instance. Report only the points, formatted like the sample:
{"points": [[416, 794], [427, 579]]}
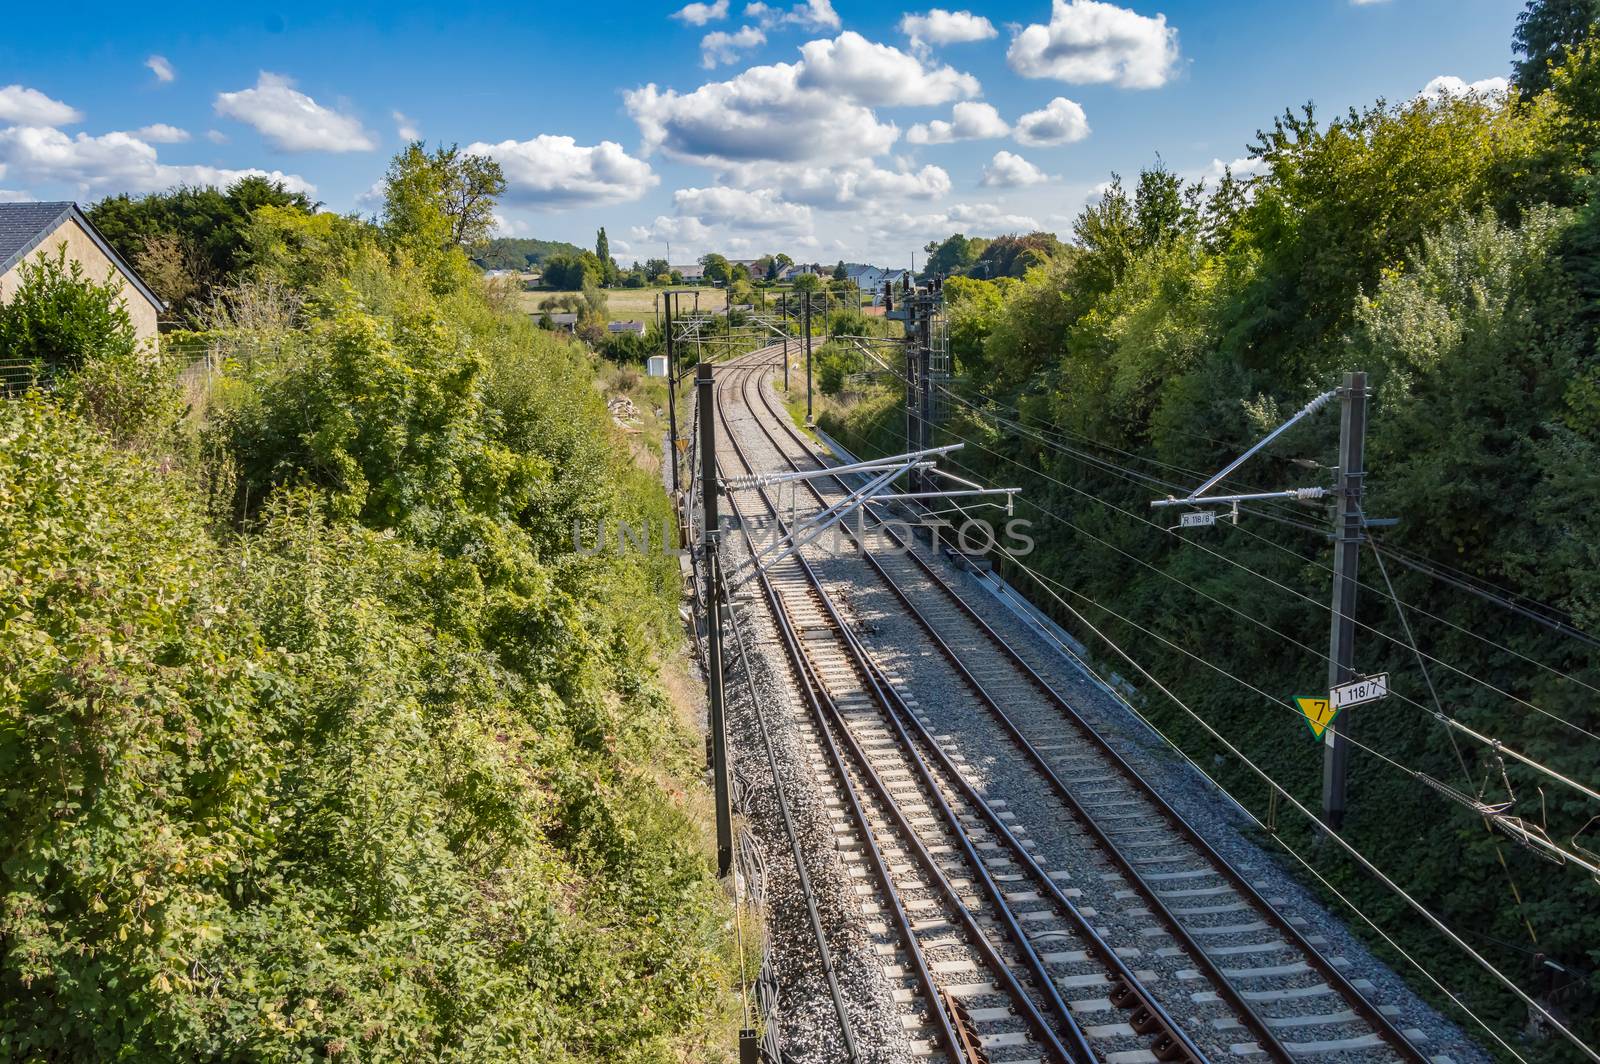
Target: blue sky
{"points": [[809, 133]]}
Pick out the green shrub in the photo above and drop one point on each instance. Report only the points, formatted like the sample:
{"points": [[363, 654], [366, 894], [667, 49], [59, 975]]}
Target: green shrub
{"points": [[59, 319], [389, 775]]}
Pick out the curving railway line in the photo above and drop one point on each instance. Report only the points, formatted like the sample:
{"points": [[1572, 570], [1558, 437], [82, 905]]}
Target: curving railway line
{"points": [[1028, 893]]}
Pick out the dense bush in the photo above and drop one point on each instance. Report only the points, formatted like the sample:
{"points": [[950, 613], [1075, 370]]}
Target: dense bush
{"points": [[1448, 246], [59, 318], [319, 737], [835, 362]]}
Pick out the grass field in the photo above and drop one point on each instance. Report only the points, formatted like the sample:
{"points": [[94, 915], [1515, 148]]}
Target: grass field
{"points": [[638, 304], [631, 304]]}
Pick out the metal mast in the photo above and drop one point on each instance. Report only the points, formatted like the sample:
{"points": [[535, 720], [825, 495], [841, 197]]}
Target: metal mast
{"points": [[1348, 534]]}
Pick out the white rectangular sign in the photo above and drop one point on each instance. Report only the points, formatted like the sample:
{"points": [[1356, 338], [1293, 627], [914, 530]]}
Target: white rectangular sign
{"points": [[1198, 519], [1366, 689]]}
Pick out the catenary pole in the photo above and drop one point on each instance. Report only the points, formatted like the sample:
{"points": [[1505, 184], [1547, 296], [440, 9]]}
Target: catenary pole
{"points": [[1348, 534], [925, 374], [806, 314], [672, 395], [913, 393], [721, 794]]}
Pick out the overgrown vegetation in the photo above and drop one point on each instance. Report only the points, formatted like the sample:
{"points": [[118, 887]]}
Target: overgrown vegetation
{"points": [[1449, 246], [320, 739]]}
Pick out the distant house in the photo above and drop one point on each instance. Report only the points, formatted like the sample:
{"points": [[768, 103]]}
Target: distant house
{"points": [[635, 327], [749, 267], [867, 278], [30, 230], [789, 273], [692, 272], [564, 321]]}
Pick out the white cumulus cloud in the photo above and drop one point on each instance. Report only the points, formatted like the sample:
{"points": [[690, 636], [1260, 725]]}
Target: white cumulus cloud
{"points": [[762, 114], [847, 186], [23, 106], [1091, 42], [700, 14], [1242, 169], [559, 172], [111, 162], [761, 208], [940, 27], [721, 47], [405, 128], [1008, 170], [292, 121], [161, 68], [1061, 121], [161, 133], [683, 230], [809, 15], [969, 120], [878, 74], [1450, 85]]}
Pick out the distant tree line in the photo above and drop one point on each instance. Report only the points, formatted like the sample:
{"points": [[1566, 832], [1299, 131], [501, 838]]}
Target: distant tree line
{"points": [[520, 253]]}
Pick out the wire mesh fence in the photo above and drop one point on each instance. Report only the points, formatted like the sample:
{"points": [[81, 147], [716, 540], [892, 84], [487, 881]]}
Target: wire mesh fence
{"points": [[194, 359]]}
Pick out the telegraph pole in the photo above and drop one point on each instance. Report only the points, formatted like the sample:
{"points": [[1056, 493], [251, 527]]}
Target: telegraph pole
{"points": [[672, 395], [709, 532], [913, 363], [806, 313], [783, 316], [1348, 534], [925, 372]]}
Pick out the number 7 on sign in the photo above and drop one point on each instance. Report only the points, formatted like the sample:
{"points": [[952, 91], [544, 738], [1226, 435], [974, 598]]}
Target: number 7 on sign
{"points": [[1319, 713]]}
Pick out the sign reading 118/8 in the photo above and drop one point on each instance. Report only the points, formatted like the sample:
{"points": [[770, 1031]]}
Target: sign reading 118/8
{"points": [[1366, 689]]}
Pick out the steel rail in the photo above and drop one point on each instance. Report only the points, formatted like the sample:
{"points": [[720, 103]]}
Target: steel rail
{"points": [[885, 696], [807, 892], [1380, 1023], [894, 709], [816, 693], [1171, 1041]]}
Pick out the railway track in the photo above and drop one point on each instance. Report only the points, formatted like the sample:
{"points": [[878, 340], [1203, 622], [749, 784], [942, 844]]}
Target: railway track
{"points": [[1229, 976], [918, 923]]}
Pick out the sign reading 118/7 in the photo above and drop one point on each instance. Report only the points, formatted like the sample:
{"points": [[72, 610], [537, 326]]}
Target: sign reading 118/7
{"points": [[1366, 689]]}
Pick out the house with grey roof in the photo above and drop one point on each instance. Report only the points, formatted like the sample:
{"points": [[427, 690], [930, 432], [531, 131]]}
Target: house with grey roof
{"points": [[31, 230]]}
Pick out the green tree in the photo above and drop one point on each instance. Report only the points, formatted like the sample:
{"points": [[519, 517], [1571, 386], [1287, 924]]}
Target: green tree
{"points": [[164, 266], [1160, 207], [1344, 201], [839, 272], [573, 272], [602, 251], [1546, 30], [443, 199], [519, 253], [1013, 256], [717, 268], [200, 234], [953, 255]]}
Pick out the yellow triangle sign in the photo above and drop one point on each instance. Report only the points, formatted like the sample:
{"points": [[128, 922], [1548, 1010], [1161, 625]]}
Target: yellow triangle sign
{"points": [[1319, 713]]}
